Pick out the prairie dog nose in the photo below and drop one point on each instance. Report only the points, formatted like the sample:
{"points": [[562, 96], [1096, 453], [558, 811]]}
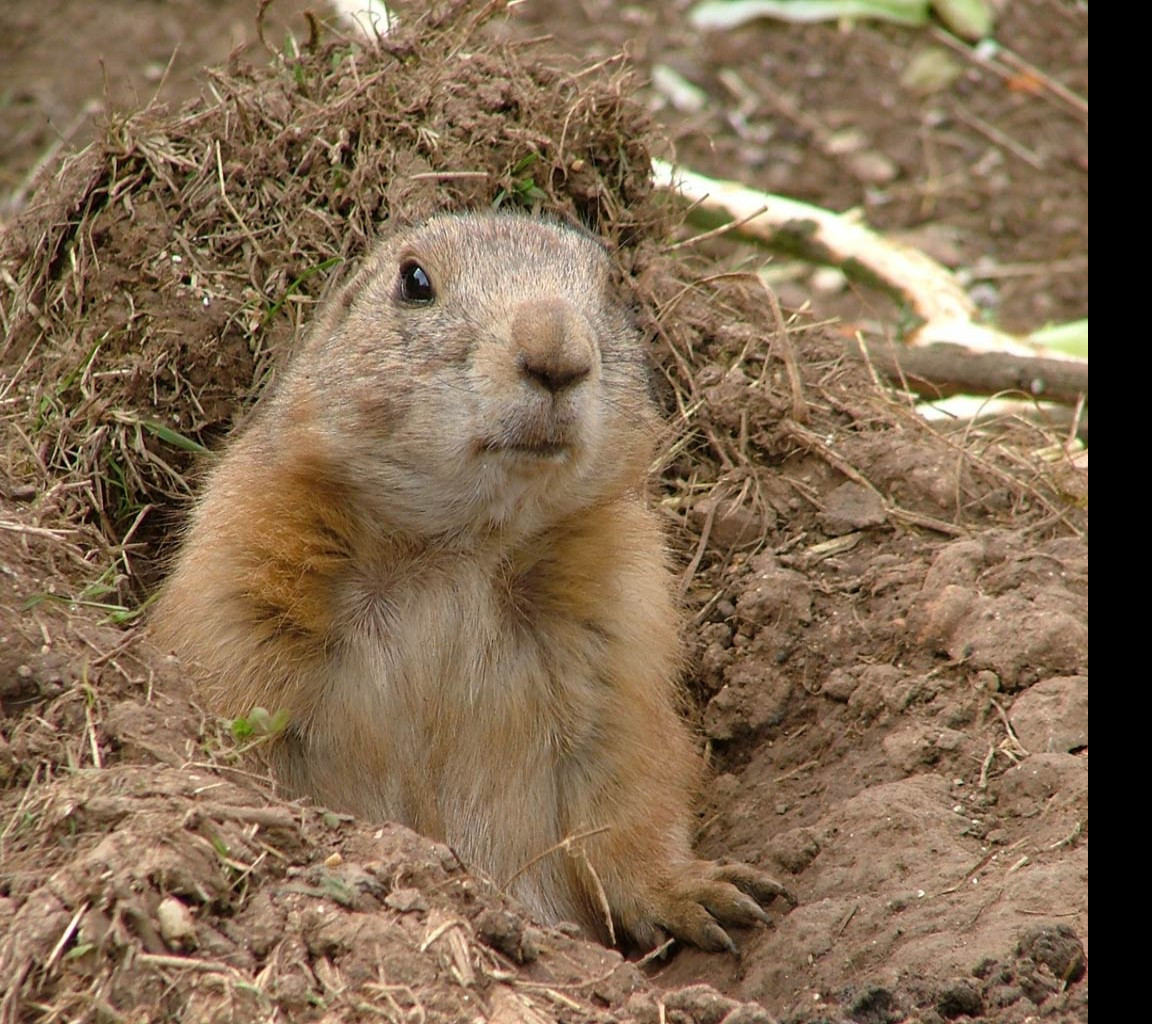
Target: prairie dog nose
{"points": [[553, 344]]}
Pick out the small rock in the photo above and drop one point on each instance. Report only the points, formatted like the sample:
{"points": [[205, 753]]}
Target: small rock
{"points": [[845, 141], [643, 1008], [732, 522], [828, 281], [997, 997], [883, 688], [959, 998], [1038, 985], [872, 167], [876, 1005], [1026, 788], [728, 399], [774, 594], [506, 932], [839, 685], [956, 714], [851, 507], [988, 681], [794, 850], [1057, 947], [175, 922], [949, 739], [1052, 716], [936, 617], [755, 696], [911, 747], [702, 1002], [714, 659], [960, 562], [406, 900]]}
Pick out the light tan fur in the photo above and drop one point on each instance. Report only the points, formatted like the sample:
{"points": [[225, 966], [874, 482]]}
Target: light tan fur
{"points": [[431, 549]]}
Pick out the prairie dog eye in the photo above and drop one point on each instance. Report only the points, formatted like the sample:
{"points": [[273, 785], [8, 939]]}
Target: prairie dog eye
{"points": [[415, 284]]}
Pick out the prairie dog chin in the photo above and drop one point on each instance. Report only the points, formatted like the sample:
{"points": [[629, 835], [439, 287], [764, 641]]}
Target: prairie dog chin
{"points": [[431, 549]]}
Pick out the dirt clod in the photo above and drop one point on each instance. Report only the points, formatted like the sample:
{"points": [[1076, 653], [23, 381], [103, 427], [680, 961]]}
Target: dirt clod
{"points": [[1057, 947]]}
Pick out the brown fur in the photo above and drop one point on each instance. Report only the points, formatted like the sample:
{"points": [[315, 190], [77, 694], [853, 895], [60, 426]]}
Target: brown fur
{"points": [[431, 550]]}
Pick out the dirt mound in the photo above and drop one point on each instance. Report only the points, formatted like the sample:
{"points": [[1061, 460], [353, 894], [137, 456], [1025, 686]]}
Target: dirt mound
{"points": [[889, 622]]}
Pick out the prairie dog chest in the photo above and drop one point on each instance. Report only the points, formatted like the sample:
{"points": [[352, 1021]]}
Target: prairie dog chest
{"points": [[453, 658], [454, 709]]}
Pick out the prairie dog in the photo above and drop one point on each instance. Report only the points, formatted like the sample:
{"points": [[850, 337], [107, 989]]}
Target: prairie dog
{"points": [[431, 548]]}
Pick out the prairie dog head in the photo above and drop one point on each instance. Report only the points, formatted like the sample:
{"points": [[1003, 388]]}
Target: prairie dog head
{"points": [[479, 372]]}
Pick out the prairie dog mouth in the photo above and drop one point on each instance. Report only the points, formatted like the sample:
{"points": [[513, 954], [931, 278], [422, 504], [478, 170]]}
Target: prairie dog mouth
{"points": [[548, 450], [532, 433]]}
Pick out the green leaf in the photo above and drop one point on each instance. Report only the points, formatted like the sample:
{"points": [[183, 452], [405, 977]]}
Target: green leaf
{"points": [[259, 722], [294, 287], [722, 14], [1071, 337], [174, 438], [969, 19]]}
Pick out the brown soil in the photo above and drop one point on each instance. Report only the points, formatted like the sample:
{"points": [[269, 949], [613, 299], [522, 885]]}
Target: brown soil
{"points": [[889, 622]]}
